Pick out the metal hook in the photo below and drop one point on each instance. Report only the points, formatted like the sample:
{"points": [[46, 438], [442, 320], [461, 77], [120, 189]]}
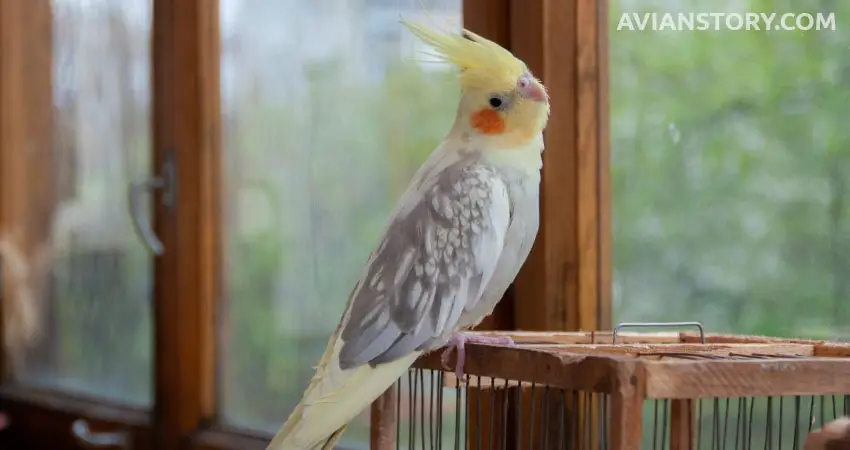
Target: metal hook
{"points": [[81, 431], [657, 324], [168, 183]]}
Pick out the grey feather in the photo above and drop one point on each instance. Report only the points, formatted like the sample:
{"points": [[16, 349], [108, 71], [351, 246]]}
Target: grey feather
{"points": [[432, 265]]}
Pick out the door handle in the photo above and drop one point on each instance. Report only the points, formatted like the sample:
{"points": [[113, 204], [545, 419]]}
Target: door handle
{"points": [[84, 436], [167, 182]]}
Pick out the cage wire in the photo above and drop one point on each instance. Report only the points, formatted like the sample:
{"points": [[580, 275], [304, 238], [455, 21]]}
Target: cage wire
{"points": [[435, 410]]}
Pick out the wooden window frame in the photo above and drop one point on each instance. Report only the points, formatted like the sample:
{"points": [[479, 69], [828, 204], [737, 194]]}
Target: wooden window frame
{"points": [[40, 418], [566, 282], [565, 285]]}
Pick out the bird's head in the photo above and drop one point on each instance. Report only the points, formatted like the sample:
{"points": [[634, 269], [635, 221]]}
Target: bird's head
{"points": [[500, 98]]}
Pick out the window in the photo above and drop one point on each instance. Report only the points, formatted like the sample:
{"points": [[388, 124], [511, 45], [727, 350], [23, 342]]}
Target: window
{"points": [[75, 101], [730, 161], [101, 138], [267, 142], [318, 150]]}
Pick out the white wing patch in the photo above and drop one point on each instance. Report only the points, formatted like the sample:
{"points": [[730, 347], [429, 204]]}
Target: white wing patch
{"points": [[433, 264]]}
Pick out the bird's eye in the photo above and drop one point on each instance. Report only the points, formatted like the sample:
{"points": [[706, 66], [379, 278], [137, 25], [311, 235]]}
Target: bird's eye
{"points": [[497, 102]]}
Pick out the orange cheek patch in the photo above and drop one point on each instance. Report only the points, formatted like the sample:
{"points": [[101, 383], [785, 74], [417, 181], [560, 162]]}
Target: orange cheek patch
{"points": [[487, 121]]}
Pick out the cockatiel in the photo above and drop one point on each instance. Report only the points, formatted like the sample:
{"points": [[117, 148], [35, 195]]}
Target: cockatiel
{"points": [[453, 245]]}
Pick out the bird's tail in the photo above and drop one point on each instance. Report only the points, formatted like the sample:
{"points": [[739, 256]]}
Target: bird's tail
{"points": [[333, 398], [283, 439]]}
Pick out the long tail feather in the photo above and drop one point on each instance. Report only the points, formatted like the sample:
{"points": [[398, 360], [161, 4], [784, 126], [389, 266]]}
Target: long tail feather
{"points": [[333, 398]]}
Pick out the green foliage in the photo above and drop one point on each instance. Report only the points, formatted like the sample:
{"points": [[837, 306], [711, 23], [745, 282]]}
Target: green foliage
{"points": [[731, 155], [331, 166], [729, 167]]}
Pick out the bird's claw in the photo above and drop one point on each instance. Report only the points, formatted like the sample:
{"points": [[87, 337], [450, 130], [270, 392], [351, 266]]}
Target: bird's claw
{"points": [[459, 341]]}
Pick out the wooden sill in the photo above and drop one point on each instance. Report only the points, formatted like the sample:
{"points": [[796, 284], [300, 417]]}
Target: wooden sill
{"points": [[228, 439], [42, 418]]}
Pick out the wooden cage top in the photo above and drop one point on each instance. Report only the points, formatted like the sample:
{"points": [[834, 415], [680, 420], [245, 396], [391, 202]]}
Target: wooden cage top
{"points": [[660, 365]]}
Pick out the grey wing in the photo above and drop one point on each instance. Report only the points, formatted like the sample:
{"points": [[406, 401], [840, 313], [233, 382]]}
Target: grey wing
{"points": [[433, 263]]}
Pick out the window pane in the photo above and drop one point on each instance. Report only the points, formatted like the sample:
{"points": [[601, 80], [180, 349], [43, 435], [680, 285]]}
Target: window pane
{"points": [[730, 168], [327, 117], [92, 274]]}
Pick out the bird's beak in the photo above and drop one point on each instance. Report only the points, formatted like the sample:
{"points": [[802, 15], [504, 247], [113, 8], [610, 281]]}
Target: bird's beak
{"points": [[535, 91]]}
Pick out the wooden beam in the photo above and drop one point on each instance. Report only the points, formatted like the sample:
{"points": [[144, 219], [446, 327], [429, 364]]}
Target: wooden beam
{"points": [[27, 181], [491, 19], [605, 275], [383, 420], [626, 423], [43, 418], [687, 371], [187, 125], [682, 424], [565, 284], [488, 18]]}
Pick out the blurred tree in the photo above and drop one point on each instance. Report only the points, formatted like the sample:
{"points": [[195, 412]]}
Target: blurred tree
{"points": [[730, 159]]}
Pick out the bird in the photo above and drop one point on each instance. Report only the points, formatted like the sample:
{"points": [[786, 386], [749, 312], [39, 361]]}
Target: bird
{"points": [[452, 246]]}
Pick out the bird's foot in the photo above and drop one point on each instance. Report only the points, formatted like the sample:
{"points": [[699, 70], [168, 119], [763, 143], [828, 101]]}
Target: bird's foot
{"points": [[459, 341]]}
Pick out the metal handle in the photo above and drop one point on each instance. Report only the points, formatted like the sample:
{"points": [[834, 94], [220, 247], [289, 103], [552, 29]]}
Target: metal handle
{"points": [[657, 324], [82, 433], [168, 183]]}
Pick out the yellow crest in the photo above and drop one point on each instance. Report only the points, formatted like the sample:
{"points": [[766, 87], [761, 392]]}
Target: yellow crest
{"points": [[483, 63]]}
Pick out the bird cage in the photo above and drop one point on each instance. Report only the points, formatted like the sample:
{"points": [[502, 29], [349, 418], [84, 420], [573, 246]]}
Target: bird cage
{"points": [[619, 390]]}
